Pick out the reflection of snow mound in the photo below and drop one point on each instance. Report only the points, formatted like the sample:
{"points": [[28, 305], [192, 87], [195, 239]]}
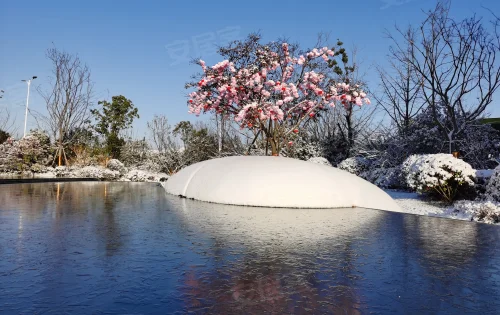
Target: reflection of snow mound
{"points": [[276, 182], [285, 226]]}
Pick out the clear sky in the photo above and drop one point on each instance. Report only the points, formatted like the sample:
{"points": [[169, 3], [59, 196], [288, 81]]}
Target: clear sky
{"points": [[141, 49]]}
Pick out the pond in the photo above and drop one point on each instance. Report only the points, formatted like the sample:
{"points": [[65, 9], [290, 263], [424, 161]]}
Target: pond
{"points": [[116, 248]]}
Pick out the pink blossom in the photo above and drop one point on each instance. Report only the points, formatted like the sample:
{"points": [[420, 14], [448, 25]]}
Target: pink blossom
{"points": [[358, 101], [203, 65]]}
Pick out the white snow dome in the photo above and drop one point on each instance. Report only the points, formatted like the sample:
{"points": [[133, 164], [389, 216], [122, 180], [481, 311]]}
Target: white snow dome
{"points": [[277, 182]]}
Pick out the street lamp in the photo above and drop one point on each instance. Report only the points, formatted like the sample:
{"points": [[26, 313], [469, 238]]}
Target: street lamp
{"points": [[1, 91], [27, 101]]}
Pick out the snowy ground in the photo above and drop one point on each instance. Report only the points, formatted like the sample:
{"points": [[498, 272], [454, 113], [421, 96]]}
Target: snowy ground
{"points": [[463, 210], [415, 204]]}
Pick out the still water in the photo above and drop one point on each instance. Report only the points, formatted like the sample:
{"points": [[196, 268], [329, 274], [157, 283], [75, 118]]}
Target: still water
{"points": [[128, 248]]}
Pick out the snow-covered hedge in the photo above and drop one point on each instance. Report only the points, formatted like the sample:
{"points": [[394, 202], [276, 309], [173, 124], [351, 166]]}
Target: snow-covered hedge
{"points": [[354, 165], [319, 160], [384, 177], [439, 174], [144, 176], [100, 173], [493, 186]]}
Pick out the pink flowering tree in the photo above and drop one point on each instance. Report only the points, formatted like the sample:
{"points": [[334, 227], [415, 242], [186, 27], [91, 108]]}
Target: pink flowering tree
{"points": [[269, 90]]}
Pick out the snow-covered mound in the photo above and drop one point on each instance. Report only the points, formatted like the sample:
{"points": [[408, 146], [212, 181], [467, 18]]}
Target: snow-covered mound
{"points": [[266, 181]]}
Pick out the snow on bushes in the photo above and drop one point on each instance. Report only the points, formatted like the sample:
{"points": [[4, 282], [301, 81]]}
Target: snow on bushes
{"points": [[21, 155], [493, 186], [480, 211], [116, 165], [319, 160], [439, 174], [97, 172], [144, 176], [354, 165], [383, 177]]}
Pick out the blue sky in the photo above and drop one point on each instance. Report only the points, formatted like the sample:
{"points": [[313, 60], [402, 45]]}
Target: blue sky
{"points": [[139, 48]]}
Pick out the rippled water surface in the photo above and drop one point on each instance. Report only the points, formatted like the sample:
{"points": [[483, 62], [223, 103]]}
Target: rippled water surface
{"points": [[128, 248]]}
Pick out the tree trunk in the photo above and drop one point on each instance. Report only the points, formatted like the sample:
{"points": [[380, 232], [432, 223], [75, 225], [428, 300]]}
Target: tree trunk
{"points": [[219, 130], [59, 163], [274, 147], [350, 132], [60, 146]]}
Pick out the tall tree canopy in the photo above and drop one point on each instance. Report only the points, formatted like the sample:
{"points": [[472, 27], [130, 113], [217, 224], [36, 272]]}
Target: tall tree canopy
{"points": [[112, 118]]}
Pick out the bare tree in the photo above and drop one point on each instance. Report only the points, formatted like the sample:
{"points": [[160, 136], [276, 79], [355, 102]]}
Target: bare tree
{"points": [[457, 65], [68, 101], [400, 95], [7, 121], [160, 132]]}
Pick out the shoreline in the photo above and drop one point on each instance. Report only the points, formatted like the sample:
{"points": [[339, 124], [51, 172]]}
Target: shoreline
{"points": [[33, 180]]}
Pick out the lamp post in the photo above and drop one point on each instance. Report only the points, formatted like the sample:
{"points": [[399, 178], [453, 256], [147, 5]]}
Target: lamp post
{"points": [[27, 101]]}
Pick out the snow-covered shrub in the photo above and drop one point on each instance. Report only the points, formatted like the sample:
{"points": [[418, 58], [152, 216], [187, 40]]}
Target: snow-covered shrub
{"points": [[134, 152], [116, 165], [319, 160], [481, 211], [384, 177], [482, 179], [493, 186], [302, 148], [407, 166], [439, 174], [62, 171], [97, 172], [354, 165], [144, 176], [38, 168], [20, 155]]}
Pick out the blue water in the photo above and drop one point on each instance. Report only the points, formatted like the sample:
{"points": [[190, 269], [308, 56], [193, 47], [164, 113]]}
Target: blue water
{"points": [[128, 248]]}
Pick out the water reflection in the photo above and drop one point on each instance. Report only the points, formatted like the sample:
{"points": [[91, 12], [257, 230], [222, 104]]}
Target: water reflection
{"points": [[130, 248], [274, 227]]}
